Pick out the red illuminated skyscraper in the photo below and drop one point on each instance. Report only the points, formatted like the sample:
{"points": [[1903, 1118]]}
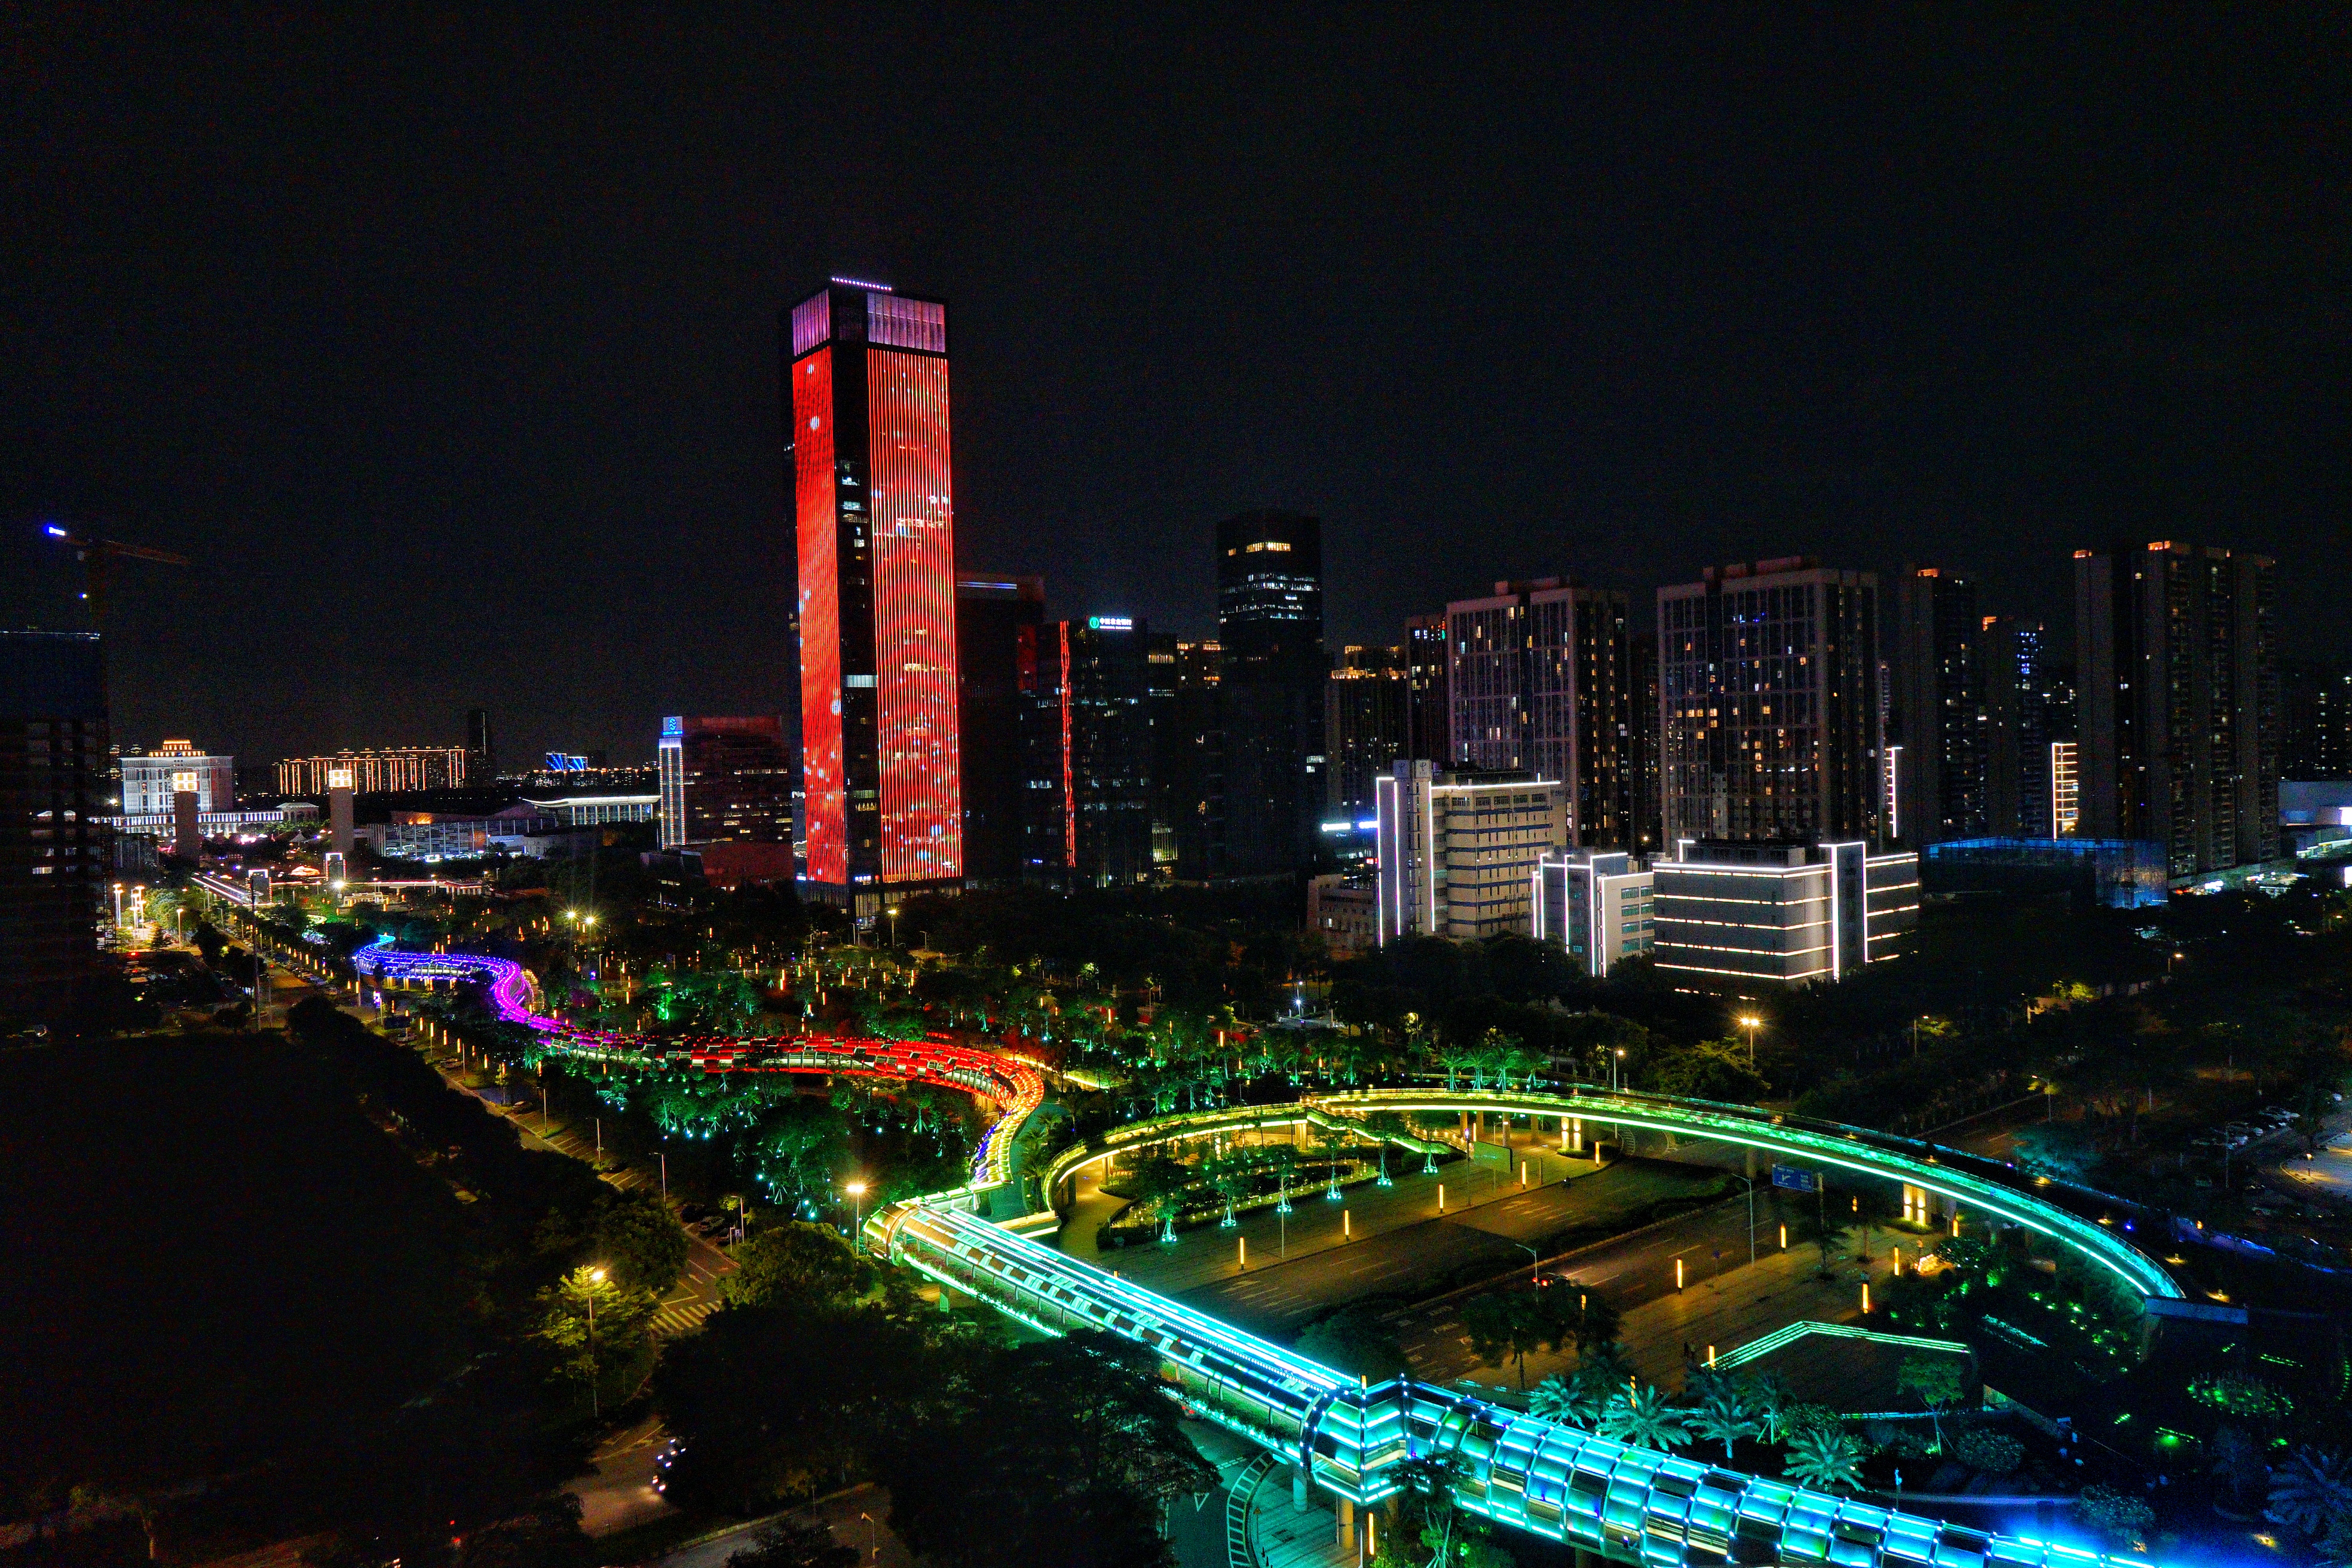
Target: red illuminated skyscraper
{"points": [[874, 512]]}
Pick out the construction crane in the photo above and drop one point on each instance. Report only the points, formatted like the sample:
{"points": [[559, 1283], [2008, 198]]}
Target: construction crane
{"points": [[98, 557]]}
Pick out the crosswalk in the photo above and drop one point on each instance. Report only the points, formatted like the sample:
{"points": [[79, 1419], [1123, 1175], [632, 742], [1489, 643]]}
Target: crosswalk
{"points": [[682, 1316]]}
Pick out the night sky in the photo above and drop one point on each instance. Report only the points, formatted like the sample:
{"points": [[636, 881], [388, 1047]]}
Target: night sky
{"points": [[446, 342]]}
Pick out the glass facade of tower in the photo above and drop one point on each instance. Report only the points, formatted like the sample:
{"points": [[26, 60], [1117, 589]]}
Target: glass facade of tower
{"points": [[874, 516]]}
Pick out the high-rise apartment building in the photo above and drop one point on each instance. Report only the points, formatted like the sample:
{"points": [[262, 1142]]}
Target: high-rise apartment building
{"points": [[1367, 714], [1939, 706], [1429, 721], [1540, 675], [992, 615], [1085, 740], [395, 770], [1648, 835], [149, 781], [1458, 851], [867, 378], [1768, 722], [54, 853], [2019, 726], [723, 781], [2177, 702], [2315, 720]]}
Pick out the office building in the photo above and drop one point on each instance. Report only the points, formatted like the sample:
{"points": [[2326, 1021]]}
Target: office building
{"points": [[148, 780], [874, 516], [1160, 686], [1735, 913], [2177, 711], [395, 770], [1596, 906], [1458, 850], [1188, 765], [1769, 718], [1087, 747], [596, 810], [1258, 731], [1367, 715], [54, 851], [723, 781], [2315, 720], [481, 751], [1540, 675], [2104, 873], [993, 617], [1939, 706], [1429, 721]]}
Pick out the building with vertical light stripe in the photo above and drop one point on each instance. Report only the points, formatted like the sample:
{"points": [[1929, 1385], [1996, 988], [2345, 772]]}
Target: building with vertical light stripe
{"points": [[1457, 853], [867, 399], [1732, 914]]}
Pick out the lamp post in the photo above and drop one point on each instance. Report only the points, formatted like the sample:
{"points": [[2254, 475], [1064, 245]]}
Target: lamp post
{"points": [[856, 1191], [595, 1392], [1748, 1021], [893, 912]]}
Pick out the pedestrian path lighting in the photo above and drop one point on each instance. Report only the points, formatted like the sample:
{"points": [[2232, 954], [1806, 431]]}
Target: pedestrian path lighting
{"points": [[1748, 1021], [856, 1191]]}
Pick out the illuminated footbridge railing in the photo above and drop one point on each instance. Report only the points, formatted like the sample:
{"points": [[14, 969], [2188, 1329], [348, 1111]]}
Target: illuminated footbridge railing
{"points": [[1969, 1184], [1634, 1505]]}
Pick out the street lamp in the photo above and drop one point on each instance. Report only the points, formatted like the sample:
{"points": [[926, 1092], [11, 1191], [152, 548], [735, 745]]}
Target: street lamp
{"points": [[856, 1191], [1749, 1021], [893, 912], [1614, 1061], [596, 1392]]}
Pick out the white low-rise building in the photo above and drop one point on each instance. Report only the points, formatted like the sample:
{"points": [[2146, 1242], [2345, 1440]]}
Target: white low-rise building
{"points": [[1729, 913], [1457, 852], [1595, 904]]}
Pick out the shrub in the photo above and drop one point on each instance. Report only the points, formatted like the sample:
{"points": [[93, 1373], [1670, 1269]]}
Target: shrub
{"points": [[1983, 1448]]}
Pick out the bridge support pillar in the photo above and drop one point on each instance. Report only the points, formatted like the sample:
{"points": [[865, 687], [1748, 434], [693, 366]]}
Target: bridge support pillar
{"points": [[1587, 1558], [1346, 1533], [1297, 1489]]}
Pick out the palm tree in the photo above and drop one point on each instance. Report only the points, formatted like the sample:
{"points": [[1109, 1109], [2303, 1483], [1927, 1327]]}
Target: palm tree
{"points": [[1722, 1417], [1826, 1458], [2312, 1491], [1557, 1398], [1773, 1402], [1642, 1417]]}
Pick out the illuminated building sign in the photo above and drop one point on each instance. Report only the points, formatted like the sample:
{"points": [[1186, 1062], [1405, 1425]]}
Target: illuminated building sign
{"points": [[183, 784], [339, 778], [1111, 623]]}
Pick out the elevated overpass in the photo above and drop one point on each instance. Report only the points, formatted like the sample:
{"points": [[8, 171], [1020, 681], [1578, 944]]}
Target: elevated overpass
{"points": [[1630, 1504]]}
